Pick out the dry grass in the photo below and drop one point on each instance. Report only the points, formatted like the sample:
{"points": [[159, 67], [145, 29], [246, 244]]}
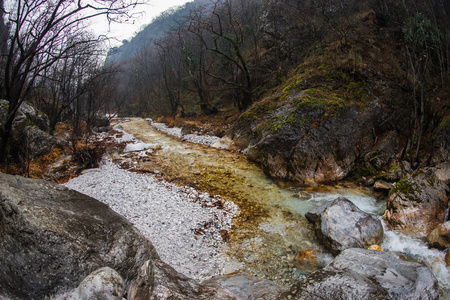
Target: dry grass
{"points": [[39, 166]]}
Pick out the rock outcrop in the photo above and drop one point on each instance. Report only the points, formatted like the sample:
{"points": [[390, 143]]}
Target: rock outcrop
{"points": [[28, 136], [53, 237], [312, 136], [416, 205], [339, 225], [367, 274]]}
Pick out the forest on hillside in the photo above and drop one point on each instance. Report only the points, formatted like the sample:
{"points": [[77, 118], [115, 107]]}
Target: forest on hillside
{"points": [[216, 58]]}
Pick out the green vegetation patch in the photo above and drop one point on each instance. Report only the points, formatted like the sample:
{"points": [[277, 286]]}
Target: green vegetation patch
{"points": [[257, 111], [320, 98], [311, 106], [407, 189]]}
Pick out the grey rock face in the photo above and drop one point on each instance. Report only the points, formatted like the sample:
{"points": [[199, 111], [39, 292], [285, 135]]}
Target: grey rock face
{"points": [[340, 225], [158, 280], [245, 287], [53, 237], [38, 142], [383, 151], [30, 141], [368, 274]]}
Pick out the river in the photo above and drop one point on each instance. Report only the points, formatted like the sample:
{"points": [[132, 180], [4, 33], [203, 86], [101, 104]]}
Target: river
{"points": [[271, 227]]}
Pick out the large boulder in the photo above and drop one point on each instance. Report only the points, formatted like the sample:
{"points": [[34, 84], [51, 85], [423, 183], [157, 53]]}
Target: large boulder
{"points": [[28, 136], [26, 115], [308, 135], [53, 237], [158, 280], [37, 142], [367, 274], [416, 205], [339, 225]]}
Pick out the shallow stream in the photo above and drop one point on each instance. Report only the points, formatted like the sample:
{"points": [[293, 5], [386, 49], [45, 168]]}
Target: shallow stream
{"points": [[271, 228]]}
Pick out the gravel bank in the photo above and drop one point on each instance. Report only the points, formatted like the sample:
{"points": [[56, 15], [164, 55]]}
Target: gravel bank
{"points": [[185, 226], [193, 138]]}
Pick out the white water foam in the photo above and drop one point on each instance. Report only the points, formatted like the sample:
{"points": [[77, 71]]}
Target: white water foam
{"points": [[416, 249]]}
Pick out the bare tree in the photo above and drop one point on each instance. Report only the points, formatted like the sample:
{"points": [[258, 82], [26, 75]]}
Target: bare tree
{"points": [[224, 33], [39, 33], [65, 81]]}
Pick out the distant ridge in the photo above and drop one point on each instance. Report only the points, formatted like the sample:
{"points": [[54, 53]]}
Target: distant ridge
{"points": [[152, 33]]}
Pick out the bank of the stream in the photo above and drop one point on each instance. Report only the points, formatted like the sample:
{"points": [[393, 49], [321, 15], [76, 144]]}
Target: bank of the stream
{"points": [[271, 227]]}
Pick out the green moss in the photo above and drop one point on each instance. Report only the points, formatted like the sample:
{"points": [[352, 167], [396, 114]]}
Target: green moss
{"points": [[407, 189], [258, 110], [277, 123], [5, 106], [324, 68], [320, 98], [318, 103], [291, 84]]}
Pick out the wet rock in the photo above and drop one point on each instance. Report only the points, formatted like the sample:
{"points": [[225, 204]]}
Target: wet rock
{"points": [[339, 225], [244, 286], [104, 283], [158, 280], [416, 205], [440, 236], [367, 274], [53, 237], [308, 261]]}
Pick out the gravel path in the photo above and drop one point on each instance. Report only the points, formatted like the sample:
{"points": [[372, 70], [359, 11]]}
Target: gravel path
{"points": [[185, 226]]}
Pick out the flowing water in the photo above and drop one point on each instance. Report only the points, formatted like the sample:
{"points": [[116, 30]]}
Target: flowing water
{"points": [[271, 228]]}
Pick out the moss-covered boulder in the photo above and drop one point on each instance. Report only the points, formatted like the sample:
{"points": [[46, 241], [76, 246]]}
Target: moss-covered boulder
{"points": [[313, 135], [416, 205]]}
